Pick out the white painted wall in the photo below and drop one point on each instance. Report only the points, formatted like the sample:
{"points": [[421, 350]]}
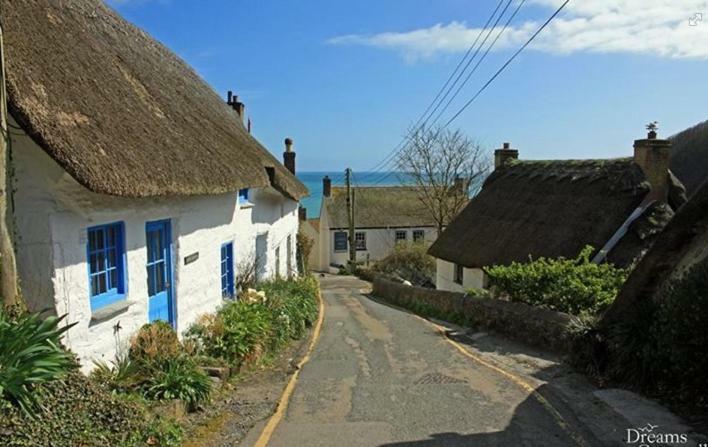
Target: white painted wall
{"points": [[445, 277], [53, 213], [379, 243]]}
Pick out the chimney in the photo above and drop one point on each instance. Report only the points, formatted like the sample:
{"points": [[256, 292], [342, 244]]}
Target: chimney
{"points": [[235, 104], [326, 186], [289, 156], [302, 213], [458, 186], [504, 155], [652, 155]]}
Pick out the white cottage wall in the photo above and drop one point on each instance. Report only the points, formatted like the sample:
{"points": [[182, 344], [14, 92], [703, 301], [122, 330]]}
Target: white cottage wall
{"points": [[53, 213], [445, 277], [379, 243]]}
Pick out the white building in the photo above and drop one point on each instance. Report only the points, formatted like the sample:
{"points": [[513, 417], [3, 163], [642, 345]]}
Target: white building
{"points": [[383, 216], [138, 192]]}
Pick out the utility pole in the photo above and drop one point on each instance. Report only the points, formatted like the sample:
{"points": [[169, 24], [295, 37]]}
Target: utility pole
{"points": [[350, 216], [8, 268]]}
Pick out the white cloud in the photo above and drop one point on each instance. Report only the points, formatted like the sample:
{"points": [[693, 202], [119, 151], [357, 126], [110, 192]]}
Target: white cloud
{"points": [[659, 27]]}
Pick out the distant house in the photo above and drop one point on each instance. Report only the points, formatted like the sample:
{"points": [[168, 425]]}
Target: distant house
{"points": [[138, 191], [555, 208], [383, 216]]}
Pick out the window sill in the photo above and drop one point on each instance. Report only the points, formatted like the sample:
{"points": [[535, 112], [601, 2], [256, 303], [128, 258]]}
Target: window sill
{"points": [[108, 312]]}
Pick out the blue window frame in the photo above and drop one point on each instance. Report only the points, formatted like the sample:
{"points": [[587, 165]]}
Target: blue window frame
{"points": [[227, 270], [106, 263], [243, 196]]}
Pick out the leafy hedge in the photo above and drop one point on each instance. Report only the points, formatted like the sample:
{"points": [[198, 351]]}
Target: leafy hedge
{"points": [[576, 286], [79, 412], [663, 346], [242, 330], [409, 261]]}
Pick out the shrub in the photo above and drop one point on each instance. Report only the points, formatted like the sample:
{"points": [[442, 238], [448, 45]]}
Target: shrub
{"points": [[577, 286], [241, 331], [30, 355], [409, 261], [238, 332], [78, 412], [122, 375], [176, 378], [155, 342]]}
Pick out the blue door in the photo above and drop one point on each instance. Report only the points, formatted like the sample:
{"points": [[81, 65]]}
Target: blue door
{"points": [[159, 271], [227, 270]]}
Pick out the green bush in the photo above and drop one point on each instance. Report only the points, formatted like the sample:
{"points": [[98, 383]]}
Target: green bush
{"points": [[241, 331], [176, 378], [409, 261], [576, 286], [155, 341], [79, 412], [122, 375], [30, 354]]}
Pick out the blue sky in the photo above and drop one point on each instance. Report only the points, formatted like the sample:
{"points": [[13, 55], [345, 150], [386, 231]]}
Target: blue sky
{"points": [[345, 79]]}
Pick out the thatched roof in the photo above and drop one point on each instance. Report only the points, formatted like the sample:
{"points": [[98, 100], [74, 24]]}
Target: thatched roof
{"points": [[689, 156], [552, 209], [683, 235], [121, 113], [378, 207]]}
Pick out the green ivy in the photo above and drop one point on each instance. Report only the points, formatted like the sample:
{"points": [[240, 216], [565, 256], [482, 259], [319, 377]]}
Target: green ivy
{"points": [[576, 286]]}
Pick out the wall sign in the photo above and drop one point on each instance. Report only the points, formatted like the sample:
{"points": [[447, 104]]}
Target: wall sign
{"points": [[191, 258]]}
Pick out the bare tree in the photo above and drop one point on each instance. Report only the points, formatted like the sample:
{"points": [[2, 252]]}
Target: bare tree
{"points": [[447, 167]]}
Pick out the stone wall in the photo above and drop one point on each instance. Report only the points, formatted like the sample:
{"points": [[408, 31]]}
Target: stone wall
{"points": [[538, 327]]}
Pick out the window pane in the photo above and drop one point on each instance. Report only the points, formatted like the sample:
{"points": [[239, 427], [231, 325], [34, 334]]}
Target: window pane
{"points": [[111, 258], [111, 236], [113, 276], [94, 286], [159, 277], [99, 241], [92, 235], [151, 280], [101, 288], [100, 261]]}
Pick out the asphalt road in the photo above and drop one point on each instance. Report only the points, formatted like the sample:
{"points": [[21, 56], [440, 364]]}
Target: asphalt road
{"points": [[383, 377]]}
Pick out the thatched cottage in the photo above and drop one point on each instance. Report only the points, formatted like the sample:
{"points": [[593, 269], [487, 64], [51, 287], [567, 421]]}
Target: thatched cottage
{"points": [[555, 208], [383, 217], [138, 191]]}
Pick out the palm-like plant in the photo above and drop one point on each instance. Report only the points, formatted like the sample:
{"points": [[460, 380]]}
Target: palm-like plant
{"points": [[30, 355]]}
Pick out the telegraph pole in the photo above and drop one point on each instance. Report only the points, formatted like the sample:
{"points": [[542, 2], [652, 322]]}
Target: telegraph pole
{"points": [[350, 216]]}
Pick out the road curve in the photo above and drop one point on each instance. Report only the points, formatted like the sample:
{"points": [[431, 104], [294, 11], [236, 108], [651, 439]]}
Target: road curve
{"points": [[382, 377]]}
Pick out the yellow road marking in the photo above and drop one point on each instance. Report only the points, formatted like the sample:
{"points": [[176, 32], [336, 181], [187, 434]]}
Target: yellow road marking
{"points": [[274, 420], [518, 380]]}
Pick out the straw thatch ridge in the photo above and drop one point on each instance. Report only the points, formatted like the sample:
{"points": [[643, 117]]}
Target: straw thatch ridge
{"points": [[378, 207], [551, 209], [683, 235], [689, 156], [121, 113]]}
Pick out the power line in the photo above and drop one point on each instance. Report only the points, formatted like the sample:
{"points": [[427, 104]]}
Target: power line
{"points": [[474, 69], [479, 92], [387, 160]]}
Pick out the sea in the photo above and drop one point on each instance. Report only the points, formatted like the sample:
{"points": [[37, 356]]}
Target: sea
{"points": [[313, 181]]}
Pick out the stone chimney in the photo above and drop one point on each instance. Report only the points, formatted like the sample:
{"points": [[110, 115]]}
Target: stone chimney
{"points": [[302, 213], [504, 155], [235, 104], [326, 186], [289, 156], [652, 155]]}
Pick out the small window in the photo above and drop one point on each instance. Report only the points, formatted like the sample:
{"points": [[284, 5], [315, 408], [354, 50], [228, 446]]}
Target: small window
{"points": [[106, 248], [459, 274], [401, 235], [340, 241], [418, 235], [360, 240], [227, 270], [243, 195]]}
